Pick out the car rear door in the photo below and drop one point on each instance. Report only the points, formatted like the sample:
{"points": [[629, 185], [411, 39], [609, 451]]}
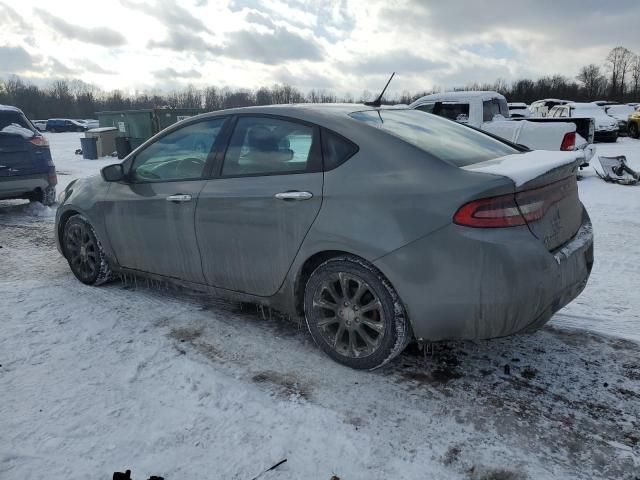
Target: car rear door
{"points": [[149, 217], [253, 217]]}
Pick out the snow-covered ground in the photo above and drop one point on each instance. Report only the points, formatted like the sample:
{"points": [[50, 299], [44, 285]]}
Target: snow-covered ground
{"points": [[94, 380]]}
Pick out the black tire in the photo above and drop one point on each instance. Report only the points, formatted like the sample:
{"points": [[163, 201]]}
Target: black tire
{"points": [[46, 197], [633, 130], [375, 335], [84, 252]]}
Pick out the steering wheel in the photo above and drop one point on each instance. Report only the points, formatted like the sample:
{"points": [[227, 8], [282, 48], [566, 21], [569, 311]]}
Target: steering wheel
{"points": [[147, 175]]}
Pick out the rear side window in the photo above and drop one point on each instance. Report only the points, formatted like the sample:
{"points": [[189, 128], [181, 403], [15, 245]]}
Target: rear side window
{"points": [[270, 146], [336, 149], [493, 107], [17, 119], [444, 139]]}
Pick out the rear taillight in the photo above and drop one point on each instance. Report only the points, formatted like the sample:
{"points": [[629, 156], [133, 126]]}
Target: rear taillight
{"points": [[514, 209], [494, 212], [568, 142], [39, 141]]}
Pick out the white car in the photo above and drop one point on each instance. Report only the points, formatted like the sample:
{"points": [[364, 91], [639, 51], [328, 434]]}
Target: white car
{"points": [[91, 123], [540, 108], [620, 113], [40, 124], [488, 111], [606, 127], [519, 110]]}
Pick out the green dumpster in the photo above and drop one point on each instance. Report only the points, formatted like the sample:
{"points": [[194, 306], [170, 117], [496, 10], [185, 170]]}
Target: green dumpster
{"points": [[168, 116], [140, 125]]}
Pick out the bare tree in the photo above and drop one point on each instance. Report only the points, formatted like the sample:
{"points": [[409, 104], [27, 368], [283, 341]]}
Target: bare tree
{"points": [[592, 80], [635, 77], [618, 62]]}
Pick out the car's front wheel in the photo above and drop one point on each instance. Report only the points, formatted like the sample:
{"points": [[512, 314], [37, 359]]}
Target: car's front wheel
{"points": [[354, 314], [84, 252], [633, 130]]}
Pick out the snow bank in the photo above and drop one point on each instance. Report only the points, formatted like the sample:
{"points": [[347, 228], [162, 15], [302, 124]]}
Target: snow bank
{"points": [[524, 167], [18, 130], [36, 209]]}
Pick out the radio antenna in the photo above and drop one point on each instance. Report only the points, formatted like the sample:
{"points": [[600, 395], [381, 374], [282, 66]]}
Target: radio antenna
{"points": [[378, 101]]}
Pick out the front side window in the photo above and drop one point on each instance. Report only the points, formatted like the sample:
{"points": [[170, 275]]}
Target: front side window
{"points": [[458, 112], [267, 146], [446, 140], [179, 155]]}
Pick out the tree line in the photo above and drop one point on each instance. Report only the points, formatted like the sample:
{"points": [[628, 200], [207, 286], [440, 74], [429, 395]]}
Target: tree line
{"points": [[618, 79]]}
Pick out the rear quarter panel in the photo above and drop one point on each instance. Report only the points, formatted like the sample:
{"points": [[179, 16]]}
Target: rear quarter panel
{"points": [[388, 195]]}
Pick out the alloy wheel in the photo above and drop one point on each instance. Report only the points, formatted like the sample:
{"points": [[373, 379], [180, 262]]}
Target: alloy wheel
{"points": [[81, 250], [349, 315]]}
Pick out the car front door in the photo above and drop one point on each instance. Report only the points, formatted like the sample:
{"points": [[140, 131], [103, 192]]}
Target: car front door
{"points": [[149, 217], [252, 218]]}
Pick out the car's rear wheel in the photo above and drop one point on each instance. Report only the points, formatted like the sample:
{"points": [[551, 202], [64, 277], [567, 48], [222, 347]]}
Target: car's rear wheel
{"points": [[46, 197], [633, 130], [84, 252], [354, 314]]}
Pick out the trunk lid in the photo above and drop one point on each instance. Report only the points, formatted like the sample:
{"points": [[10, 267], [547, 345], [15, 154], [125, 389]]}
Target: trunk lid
{"points": [[16, 156], [546, 192]]}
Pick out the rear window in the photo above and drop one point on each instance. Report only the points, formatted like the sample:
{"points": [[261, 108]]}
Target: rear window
{"points": [[8, 118], [444, 139]]}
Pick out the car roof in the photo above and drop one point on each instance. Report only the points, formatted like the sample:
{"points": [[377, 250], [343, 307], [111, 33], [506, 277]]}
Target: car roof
{"points": [[461, 95], [9, 108], [328, 115]]}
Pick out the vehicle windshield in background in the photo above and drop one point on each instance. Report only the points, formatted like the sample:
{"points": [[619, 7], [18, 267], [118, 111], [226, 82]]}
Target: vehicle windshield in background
{"points": [[17, 119], [620, 110], [442, 138], [587, 111]]}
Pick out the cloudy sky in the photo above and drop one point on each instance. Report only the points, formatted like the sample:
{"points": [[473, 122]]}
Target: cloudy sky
{"points": [[344, 45]]}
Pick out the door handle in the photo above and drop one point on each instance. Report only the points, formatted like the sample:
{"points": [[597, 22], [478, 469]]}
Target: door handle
{"points": [[293, 195], [178, 198]]}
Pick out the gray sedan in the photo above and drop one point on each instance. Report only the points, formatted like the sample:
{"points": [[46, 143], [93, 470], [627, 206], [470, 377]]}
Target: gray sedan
{"points": [[375, 225]]}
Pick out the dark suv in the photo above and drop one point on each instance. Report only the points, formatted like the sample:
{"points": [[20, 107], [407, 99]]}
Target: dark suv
{"points": [[26, 168], [65, 125]]}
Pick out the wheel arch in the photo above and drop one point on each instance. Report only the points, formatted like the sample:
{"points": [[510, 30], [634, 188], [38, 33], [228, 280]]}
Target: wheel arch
{"points": [[317, 259]]}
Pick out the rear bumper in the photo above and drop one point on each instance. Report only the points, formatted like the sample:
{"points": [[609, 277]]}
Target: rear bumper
{"points": [[462, 283], [606, 136], [19, 186]]}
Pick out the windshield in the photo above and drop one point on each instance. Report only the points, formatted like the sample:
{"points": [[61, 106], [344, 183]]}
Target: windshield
{"points": [[444, 139], [620, 110], [592, 111]]}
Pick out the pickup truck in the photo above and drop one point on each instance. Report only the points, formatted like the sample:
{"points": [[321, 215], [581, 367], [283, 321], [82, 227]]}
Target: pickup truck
{"points": [[488, 111]]}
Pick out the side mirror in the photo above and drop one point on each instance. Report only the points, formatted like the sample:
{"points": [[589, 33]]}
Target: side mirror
{"points": [[113, 173]]}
